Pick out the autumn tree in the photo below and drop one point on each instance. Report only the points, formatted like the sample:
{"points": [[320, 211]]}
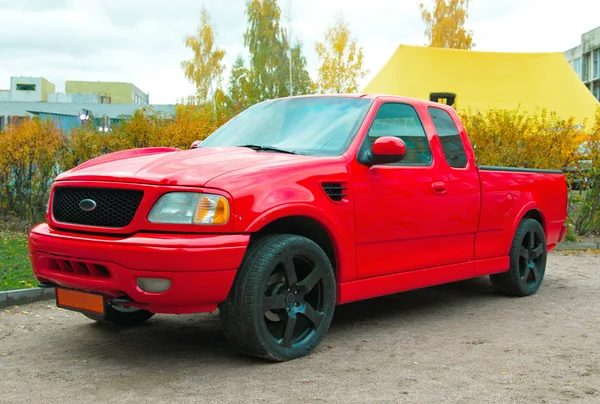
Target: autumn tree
{"points": [[205, 69], [270, 73], [445, 27], [267, 54], [238, 88], [301, 82], [341, 60]]}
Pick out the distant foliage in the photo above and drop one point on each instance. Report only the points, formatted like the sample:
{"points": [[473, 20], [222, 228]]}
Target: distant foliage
{"points": [[445, 25], [587, 202], [34, 151], [341, 60], [28, 163], [515, 138]]}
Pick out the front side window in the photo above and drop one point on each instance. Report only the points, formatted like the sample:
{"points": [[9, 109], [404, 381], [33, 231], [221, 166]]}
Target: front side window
{"points": [[402, 121], [452, 144], [314, 126]]}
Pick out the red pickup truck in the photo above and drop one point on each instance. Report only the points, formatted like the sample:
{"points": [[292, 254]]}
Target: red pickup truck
{"points": [[294, 206]]}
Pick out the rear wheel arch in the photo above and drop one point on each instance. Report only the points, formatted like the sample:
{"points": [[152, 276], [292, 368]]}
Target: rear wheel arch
{"points": [[529, 211], [536, 215]]}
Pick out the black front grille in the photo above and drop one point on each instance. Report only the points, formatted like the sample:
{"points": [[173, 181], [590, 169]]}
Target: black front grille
{"points": [[114, 207]]}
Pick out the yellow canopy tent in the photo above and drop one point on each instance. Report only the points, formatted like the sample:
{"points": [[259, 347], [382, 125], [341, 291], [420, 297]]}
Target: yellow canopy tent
{"points": [[482, 80]]}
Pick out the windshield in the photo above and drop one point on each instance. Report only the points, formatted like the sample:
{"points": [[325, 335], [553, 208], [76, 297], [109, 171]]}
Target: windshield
{"points": [[317, 126]]}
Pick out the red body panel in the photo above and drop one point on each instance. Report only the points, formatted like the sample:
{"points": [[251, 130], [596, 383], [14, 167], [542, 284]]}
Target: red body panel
{"points": [[507, 196], [201, 267], [397, 227]]}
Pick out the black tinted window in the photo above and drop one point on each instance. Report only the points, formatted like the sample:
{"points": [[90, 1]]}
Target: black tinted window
{"points": [[402, 121], [452, 145]]}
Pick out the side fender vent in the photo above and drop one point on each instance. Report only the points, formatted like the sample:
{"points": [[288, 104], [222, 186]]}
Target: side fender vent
{"points": [[336, 191]]}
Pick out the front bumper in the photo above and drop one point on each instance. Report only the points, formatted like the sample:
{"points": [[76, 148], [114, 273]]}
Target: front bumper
{"points": [[201, 267]]}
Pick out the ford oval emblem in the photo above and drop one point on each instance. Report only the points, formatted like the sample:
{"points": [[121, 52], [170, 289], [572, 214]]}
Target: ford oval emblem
{"points": [[87, 205]]}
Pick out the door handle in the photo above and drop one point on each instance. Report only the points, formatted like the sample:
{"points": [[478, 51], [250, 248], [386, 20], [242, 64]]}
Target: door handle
{"points": [[438, 188]]}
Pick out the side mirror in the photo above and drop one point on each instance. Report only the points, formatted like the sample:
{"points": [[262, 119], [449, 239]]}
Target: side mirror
{"points": [[385, 150], [195, 144]]}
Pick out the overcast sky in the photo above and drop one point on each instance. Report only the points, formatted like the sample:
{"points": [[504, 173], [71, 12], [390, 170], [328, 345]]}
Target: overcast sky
{"points": [[142, 41]]}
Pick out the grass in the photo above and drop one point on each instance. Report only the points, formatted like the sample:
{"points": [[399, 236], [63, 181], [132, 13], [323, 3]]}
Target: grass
{"points": [[15, 267]]}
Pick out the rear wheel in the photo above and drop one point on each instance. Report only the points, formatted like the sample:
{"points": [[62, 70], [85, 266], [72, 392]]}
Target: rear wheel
{"points": [[527, 261], [122, 316], [283, 298]]}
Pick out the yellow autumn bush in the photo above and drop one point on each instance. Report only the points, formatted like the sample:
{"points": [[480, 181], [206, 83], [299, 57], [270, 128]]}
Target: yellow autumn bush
{"points": [[514, 138], [35, 151], [28, 163]]}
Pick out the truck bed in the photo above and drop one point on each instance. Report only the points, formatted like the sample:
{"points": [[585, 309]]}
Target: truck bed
{"points": [[507, 194]]}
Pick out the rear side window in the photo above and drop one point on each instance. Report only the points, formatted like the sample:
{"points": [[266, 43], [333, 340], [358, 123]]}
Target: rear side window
{"points": [[402, 121], [452, 144]]}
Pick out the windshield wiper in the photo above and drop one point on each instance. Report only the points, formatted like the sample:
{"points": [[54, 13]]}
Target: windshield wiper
{"points": [[268, 148]]}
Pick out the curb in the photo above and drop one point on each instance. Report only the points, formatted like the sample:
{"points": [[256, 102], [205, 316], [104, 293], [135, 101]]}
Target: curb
{"points": [[568, 246], [25, 296]]}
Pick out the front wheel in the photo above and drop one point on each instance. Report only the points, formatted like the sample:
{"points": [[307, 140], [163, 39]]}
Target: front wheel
{"points": [[527, 261], [282, 300]]}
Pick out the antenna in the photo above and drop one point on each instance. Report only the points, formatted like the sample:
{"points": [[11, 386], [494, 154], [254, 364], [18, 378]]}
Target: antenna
{"points": [[289, 23]]}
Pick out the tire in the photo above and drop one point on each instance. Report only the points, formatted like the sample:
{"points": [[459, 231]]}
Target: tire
{"points": [[122, 316], [528, 257], [282, 300]]}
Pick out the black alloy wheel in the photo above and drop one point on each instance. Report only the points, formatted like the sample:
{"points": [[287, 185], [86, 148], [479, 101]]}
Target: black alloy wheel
{"points": [[283, 298], [528, 258]]}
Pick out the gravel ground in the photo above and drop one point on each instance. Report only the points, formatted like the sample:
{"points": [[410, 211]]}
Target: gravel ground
{"points": [[453, 343]]}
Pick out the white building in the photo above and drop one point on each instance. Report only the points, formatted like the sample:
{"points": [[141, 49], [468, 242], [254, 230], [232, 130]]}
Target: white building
{"points": [[585, 60], [104, 101]]}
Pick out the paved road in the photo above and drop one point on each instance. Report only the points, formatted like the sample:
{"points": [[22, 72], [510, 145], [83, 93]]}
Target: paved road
{"points": [[453, 343]]}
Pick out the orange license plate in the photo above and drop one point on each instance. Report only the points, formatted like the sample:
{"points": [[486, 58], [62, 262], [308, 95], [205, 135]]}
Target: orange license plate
{"points": [[79, 301]]}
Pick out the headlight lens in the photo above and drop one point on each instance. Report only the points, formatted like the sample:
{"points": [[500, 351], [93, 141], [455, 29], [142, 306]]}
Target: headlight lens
{"points": [[190, 208]]}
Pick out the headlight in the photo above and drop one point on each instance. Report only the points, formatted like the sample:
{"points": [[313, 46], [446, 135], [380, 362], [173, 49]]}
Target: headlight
{"points": [[190, 208]]}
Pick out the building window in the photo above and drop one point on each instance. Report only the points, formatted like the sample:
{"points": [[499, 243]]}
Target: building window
{"points": [[25, 87], [596, 64], [597, 91], [585, 67], [577, 66]]}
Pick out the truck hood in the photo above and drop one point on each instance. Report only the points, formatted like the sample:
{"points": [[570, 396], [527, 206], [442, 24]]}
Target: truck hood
{"points": [[170, 166]]}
